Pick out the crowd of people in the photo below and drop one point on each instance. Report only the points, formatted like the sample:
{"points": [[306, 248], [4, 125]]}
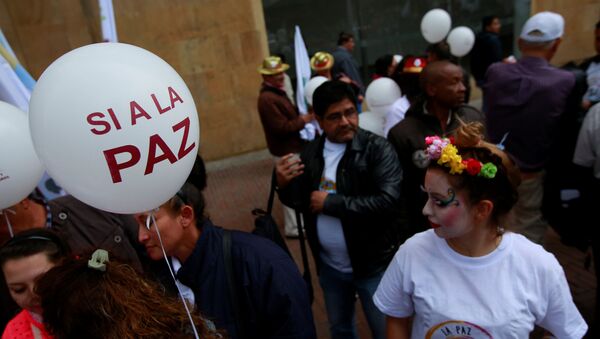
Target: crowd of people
{"points": [[437, 229]]}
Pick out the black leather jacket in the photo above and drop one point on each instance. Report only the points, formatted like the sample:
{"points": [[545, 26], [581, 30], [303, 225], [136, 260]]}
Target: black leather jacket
{"points": [[368, 189]]}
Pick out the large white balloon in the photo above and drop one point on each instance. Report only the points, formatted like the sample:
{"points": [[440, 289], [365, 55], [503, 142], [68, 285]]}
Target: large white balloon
{"points": [[372, 122], [115, 126], [381, 94], [20, 167], [461, 40], [435, 25], [311, 86]]}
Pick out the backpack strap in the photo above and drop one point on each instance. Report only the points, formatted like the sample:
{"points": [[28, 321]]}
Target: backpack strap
{"points": [[233, 295], [271, 193]]}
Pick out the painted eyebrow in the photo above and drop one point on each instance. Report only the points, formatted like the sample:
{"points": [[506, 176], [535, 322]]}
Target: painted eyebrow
{"points": [[432, 193]]}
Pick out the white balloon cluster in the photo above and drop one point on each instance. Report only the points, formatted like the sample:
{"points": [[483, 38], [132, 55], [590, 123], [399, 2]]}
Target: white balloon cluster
{"points": [[380, 95], [20, 167], [435, 27]]}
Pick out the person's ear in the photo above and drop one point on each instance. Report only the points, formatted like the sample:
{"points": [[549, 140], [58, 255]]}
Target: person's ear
{"points": [[187, 215], [25, 203], [483, 210]]}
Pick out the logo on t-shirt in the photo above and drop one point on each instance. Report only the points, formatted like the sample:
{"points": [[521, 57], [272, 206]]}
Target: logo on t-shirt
{"points": [[327, 185], [457, 329]]}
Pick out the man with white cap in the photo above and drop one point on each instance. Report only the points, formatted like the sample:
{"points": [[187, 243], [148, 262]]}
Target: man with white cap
{"points": [[525, 104], [280, 120]]}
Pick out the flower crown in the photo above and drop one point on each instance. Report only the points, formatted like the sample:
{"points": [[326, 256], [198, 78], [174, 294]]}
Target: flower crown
{"points": [[446, 154]]}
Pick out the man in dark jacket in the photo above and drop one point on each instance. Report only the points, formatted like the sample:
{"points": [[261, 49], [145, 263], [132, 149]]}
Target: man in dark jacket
{"points": [[281, 122], [347, 184], [527, 101], [271, 298], [437, 114], [487, 48]]}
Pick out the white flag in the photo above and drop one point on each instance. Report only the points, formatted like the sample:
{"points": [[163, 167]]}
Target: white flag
{"points": [[302, 70], [302, 77], [12, 89], [107, 21]]}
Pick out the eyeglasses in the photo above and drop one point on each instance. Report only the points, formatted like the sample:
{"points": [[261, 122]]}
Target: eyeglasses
{"points": [[337, 116]]}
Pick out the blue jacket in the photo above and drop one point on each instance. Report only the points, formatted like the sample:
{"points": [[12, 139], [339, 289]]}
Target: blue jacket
{"points": [[272, 293]]}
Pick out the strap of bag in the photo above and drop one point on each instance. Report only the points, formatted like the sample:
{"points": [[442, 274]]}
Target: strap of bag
{"points": [[235, 302], [306, 275], [271, 193]]}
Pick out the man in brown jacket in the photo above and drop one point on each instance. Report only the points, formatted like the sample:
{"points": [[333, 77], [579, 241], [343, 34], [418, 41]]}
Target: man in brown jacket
{"points": [[281, 122]]}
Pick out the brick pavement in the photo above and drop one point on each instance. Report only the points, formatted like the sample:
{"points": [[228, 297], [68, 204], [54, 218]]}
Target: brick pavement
{"points": [[234, 190]]}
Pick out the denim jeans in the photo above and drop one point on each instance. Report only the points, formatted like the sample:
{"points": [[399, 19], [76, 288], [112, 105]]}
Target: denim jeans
{"points": [[340, 290]]}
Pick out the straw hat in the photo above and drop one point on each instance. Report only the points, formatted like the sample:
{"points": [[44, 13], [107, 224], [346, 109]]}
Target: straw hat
{"points": [[321, 61], [272, 65]]}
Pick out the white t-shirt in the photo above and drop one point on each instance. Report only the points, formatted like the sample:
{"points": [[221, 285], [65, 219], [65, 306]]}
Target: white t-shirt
{"points": [[329, 229], [588, 142], [396, 113], [186, 292], [593, 80], [499, 295]]}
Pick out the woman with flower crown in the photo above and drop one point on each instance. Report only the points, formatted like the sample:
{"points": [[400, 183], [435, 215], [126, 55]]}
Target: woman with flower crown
{"points": [[467, 277]]}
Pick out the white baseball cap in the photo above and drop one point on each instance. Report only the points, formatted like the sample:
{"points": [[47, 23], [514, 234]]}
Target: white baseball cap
{"points": [[542, 27]]}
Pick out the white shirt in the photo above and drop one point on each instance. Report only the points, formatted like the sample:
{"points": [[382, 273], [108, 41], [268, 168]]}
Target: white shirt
{"points": [[396, 113], [186, 292], [499, 295], [588, 142], [334, 251]]}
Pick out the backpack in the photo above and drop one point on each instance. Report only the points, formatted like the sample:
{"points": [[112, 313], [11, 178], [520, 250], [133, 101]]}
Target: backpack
{"points": [[264, 224]]}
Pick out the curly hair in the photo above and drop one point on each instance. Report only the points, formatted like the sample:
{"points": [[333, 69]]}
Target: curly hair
{"points": [[82, 302], [502, 189]]}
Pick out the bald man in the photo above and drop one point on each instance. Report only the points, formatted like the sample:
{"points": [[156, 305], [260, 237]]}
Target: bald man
{"points": [[435, 114]]}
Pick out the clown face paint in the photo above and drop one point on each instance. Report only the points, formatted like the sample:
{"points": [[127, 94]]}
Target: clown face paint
{"points": [[445, 208]]}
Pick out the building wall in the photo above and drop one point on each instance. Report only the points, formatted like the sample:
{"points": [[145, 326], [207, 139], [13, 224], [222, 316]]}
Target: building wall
{"points": [[581, 17], [215, 45]]}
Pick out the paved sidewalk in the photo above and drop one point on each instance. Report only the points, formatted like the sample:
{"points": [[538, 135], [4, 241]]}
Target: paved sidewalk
{"points": [[236, 187]]}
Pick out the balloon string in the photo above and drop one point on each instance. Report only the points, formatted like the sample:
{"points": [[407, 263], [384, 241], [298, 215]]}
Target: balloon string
{"points": [[183, 300], [8, 225]]}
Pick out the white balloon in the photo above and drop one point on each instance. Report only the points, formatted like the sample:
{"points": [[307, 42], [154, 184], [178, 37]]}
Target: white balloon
{"points": [[461, 40], [381, 94], [311, 86], [20, 167], [115, 126], [372, 122], [435, 25]]}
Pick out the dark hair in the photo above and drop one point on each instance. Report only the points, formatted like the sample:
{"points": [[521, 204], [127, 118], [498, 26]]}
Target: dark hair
{"points": [[34, 241], [82, 302], [598, 24], [441, 50], [487, 20], [329, 93], [382, 64], [502, 189], [344, 37], [197, 176], [188, 195]]}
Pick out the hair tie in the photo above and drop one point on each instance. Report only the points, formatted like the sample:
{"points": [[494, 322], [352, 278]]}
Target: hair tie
{"points": [[99, 260]]}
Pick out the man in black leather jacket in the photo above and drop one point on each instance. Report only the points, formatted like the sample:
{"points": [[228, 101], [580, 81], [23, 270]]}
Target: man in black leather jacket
{"points": [[347, 184]]}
